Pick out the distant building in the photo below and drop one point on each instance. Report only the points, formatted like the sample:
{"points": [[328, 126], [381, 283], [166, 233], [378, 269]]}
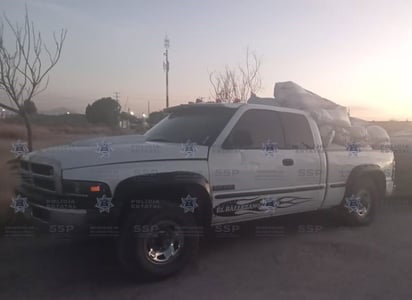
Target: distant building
{"points": [[4, 113]]}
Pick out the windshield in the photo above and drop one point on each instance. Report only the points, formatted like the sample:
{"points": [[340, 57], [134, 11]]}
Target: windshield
{"points": [[197, 125]]}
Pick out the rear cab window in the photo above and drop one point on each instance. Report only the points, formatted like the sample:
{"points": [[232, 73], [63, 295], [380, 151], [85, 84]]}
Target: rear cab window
{"points": [[297, 131]]}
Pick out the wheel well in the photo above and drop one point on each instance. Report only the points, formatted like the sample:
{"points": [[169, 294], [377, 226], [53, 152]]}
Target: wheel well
{"points": [[170, 192], [372, 172]]}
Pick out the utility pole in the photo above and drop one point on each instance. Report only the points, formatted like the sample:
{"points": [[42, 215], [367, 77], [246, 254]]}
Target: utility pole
{"points": [[166, 68], [148, 108], [116, 96]]}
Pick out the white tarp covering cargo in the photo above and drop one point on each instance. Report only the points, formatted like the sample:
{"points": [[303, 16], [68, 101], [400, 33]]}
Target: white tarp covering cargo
{"points": [[333, 120], [377, 135], [292, 95], [324, 111]]}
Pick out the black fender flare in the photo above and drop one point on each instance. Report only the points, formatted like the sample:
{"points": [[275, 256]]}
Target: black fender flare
{"points": [[167, 186], [371, 171]]}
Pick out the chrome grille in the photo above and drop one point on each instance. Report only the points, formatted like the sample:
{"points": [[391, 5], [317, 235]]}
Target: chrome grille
{"points": [[38, 176], [42, 169]]}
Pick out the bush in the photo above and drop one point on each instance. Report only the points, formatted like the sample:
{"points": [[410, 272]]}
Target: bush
{"points": [[104, 111], [155, 117]]}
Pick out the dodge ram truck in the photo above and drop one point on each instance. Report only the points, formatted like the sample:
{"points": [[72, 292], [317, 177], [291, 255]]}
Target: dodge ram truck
{"points": [[202, 166]]}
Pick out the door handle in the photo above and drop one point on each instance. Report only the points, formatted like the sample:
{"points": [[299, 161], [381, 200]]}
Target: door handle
{"points": [[288, 162]]}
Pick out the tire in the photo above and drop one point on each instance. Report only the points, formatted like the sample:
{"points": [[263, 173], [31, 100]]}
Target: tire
{"points": [[158, 243], [359, 206]]}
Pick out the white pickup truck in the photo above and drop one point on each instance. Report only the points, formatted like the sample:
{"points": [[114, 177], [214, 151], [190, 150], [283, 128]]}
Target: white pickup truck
{"points": [[203, 165]]}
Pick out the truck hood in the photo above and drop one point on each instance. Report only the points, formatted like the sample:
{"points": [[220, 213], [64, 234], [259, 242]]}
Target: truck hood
{"points": [[117, 149]]}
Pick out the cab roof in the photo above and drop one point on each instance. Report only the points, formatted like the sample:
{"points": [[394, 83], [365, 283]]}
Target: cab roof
{"points": [[229, 106], [204, 106]]}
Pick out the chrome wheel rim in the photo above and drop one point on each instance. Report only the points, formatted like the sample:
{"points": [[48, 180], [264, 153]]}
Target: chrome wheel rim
{"points": [[364, 203], [164, 243]]}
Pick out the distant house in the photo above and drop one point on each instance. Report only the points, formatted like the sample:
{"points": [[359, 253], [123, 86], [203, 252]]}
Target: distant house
{"points": [[4, 113]]}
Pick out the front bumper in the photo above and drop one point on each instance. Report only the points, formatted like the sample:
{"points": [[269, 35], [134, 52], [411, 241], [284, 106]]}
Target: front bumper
{"points": [[56, 208], [51, 213], [43, 215]]}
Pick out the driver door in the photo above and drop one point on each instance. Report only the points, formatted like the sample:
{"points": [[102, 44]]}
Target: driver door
{"points": [[246, 165]]}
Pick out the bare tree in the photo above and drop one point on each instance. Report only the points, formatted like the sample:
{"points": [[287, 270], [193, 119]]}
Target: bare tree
{"points": [[237, 82], [24, 66]]}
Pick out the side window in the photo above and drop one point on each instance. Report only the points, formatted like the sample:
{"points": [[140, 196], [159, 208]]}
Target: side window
{"points": [[298, 134], [255, 129]]}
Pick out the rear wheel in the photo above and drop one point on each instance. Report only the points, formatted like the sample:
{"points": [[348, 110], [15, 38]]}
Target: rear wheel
{"points": [[158, 244], [359, 205]]}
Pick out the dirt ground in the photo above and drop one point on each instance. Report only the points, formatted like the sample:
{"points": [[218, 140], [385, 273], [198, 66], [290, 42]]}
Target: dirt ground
{"points": [[309, 256]]}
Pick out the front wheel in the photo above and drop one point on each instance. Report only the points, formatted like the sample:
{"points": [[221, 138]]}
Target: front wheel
{"points": [[359, 205], [158, 244]]}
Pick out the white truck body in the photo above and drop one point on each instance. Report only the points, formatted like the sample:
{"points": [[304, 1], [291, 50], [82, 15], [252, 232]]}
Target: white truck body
{"points": [[243, 184]]}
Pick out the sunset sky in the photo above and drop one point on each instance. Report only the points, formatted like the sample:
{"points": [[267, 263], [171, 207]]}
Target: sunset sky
{"points": [[356, 53]]}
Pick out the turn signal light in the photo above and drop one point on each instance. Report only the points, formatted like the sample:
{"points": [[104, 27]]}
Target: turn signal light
{"points": [[95, 188]]}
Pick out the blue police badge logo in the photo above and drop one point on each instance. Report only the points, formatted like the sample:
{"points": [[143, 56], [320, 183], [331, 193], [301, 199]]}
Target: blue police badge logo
{"points": [[104, 204], [354, 204], [353, 149], [270, 148], [104, 149], [19, 204], [19, 148], [189, 149], [189, 204]]}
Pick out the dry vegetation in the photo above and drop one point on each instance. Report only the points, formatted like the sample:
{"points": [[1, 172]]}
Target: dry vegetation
{"points": [[43, 136]]}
